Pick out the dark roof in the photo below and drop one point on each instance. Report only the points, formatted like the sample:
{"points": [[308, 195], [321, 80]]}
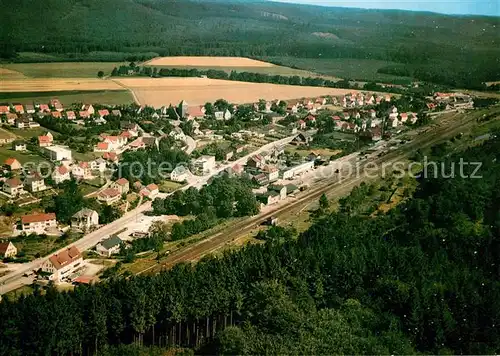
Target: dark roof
{"points": [[111, 242], [275, 188]]}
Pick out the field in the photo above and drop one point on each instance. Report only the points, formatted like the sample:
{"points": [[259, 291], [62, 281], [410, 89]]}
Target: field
{"points": [[198, 91], [355, 69], [107, 97], [23, 157], [228, 64], [57, 70], [6, 134], [57, 84]]}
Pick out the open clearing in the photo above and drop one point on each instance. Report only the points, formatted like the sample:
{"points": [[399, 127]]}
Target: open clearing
{"points": [[57, 84], [59, 70], [208, 62], [228, 64], [198, 91]]}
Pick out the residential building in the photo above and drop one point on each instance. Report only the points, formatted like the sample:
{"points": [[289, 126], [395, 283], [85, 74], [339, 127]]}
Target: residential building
{"points": [[58, 153], [62, 265], [13, 164], [30, 108], [19, 146], [109, 246], [4, 109], [60, 174], [268, 198], [70, 115], [302, 139], [11, 118], [34, 182], [223, 115], [56, 104], [85, 219], [298, 170], [110, 157], [88, 108], [271, 172], [45, 140], [137, 144], [150, 191], [38, 223], [98, 165], [179, 174], [196, 112], [82, 170], [109, 196], [103, 113], [256, 161], [116, 113], [7, 249], [18, 108], [114, 142], [56, 114], [13, 187], [205, 164], [280, 189], [122, 185], [177, 134]]}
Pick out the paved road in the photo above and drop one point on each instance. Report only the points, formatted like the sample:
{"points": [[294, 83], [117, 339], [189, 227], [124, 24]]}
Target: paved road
{"points": [[14, 279], [190, 145]]}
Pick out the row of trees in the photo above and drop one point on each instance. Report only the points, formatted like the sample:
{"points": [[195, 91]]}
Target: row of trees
{"points": [[422, 278]]}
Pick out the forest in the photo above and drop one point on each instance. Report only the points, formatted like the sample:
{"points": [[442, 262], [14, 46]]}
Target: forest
{"points": [[453, 50], [424, 277]]}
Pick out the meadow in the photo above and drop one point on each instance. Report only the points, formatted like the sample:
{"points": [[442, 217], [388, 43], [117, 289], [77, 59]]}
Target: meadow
{"points": [[106, 97], [59, 70]]}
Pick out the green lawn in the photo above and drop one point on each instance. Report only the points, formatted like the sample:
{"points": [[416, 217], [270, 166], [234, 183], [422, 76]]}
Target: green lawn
{"points": [[23, 157], [359, 69], [105, 97], [63, 70], [168, 186]]}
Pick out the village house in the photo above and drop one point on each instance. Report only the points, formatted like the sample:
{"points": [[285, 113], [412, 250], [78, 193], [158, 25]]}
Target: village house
{"points": [[280, 189], [102, 113], [26, 122], [122, 185], [255, 161], [223, 115], [84, 114], [85, 219], [70, 115], [102, 147], [13, 164], [204, 164], [115, 142], [18, 108], [271, 172], [4, 109], [81, 171], [88, 108], [7, 249], [302, 125], [98, 165], [60, 174], [177, 134], [44, 108], [261, 179], [110, 157], [301, 139], [19, 146], [64, 264], [195, 112], [38, 223], [13, 187], [137, 144], [109, 246], [116, 113], [56, 104], [109, 196], [30, 108], [45, 140], [34, 182], [150, 191], [56, 114], [268, 198], [11, 118], [100, 121], [179, 174]]}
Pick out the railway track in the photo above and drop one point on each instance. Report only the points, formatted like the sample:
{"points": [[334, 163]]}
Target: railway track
{"points": [[447, 128]]}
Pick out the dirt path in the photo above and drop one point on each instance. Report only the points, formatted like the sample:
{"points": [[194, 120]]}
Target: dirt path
{"points": [[136, 99]]}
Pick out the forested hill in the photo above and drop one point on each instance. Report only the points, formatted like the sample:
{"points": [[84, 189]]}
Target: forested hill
{"points": [[425, 45], [422, 278]]}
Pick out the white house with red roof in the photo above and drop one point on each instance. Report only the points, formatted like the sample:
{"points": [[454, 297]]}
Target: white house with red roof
{"points": [[404, 117], [38, 223], [302, 124], [137, 144], [18, 108], [62, 265], [115, 142], [103, 113], [110, 157], [4, 109], [56, 104], [195, 112], [88, 108], [56, 114], [60, 174], [45, 140], [150, 191], [13, 164], [70, 115]]}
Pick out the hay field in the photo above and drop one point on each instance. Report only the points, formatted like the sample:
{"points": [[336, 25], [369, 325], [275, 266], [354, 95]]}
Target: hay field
{"points": [[6, 73], [56, 84], [207, 62], [198, 91]]}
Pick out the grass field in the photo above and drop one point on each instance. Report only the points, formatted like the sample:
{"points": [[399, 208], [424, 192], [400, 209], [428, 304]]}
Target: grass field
{"points": [[197, 91], [169, 186], [23, 157], [4, 134], [58, 70], [229, 64], [355, 69], [106, 97], [57, 84]]}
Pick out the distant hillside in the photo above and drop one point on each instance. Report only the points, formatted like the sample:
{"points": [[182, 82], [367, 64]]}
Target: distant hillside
{"points": [[454, 50]]}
